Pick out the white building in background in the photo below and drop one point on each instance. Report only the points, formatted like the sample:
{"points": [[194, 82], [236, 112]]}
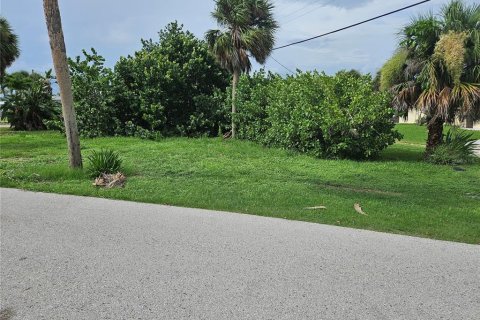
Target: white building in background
{"points": [[414, 116]]}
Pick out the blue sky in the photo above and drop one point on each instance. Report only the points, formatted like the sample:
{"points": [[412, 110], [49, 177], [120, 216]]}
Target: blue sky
{"points": [[114, 28]]}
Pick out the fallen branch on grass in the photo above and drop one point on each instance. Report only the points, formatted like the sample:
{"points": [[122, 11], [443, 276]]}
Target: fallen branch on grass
{"points": [[110, 180], [359, 209]]}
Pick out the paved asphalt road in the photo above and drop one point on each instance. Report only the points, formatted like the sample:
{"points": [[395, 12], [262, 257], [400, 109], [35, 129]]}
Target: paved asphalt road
{"points": [[65, 257]]}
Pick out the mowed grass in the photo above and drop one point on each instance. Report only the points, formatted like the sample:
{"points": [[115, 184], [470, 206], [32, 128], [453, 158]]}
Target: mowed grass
{"points": [[400, 193]]}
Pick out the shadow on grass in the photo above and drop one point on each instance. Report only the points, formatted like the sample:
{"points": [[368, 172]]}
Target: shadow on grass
{"points": [[401, 152]]}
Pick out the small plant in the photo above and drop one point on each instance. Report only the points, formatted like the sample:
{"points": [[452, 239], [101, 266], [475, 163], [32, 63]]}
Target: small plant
{"points": [[105, 161], [457, 148]]}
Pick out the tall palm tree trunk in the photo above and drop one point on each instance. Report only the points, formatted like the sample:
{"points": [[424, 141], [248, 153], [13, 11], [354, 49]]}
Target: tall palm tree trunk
{"points": [[236, 77], [59, 56], [435, 135]]}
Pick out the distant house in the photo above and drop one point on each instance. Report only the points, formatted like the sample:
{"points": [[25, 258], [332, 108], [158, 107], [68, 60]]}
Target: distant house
{"points": [[415, 116]]}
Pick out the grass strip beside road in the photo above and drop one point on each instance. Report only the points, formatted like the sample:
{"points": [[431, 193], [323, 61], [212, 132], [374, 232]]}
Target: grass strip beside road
{"points": [[399, 192]]}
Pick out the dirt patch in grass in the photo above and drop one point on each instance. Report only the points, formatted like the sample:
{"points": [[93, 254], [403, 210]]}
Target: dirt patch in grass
{"points": [[14, 160]]}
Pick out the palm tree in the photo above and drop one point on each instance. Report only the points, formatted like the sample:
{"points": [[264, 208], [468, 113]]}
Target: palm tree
{"points": [[248, 29], [59, 55], [440, 71], [9, 49]]}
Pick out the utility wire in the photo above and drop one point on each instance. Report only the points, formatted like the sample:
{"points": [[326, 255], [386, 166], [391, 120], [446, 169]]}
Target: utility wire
{"points": [[301, 9], [322, 5], [282, 65], [352, 25]]}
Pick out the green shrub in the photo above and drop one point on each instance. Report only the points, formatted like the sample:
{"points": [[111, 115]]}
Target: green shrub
{"points": [[457, 148], [252, 103], [28, 102], [170, 86], [339, 116], [104, 161], [93, 93]]}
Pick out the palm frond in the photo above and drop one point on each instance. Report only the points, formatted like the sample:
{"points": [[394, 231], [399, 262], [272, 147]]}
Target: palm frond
{"points": [[248, 29], [420, 36], [443, 103], [413, 68], [259, 42], [228, 55], [429, 76], [9, 47], [427, 102], [405, 95], [466, 97], [458, 16]]}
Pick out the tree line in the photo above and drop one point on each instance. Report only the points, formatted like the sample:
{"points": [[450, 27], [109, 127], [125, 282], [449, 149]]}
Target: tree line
{"points": [[181, 85]]}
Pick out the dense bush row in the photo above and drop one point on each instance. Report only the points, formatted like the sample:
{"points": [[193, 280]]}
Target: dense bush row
{"points": [[339, 116], [175, 87], [169, 87]]}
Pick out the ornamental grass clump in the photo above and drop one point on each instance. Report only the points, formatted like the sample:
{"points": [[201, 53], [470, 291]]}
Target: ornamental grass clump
{"points": [[458, 147], [105, 161]]}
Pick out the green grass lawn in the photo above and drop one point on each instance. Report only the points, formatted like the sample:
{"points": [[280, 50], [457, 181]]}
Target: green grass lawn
{"points": [[399, 193]]}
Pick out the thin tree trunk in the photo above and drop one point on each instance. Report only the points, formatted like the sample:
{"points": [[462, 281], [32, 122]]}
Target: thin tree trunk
{"points": [[435, 135], [59, 56], [236, 76], [469, 122]]}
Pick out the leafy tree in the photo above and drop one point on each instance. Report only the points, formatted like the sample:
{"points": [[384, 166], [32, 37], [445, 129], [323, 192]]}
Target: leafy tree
{"points": [[28, 101], [353, 73], [93, 93], [392, 71], [437, 68], [248, 30], [60, 63], [168, 86], [9, 48]]}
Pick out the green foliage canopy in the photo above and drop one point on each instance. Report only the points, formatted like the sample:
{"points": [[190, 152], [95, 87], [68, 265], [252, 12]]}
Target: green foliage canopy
{"points": [[339, 116], [28, 102], [168, 86], [392, 71], [93, 95], [9, 47]]}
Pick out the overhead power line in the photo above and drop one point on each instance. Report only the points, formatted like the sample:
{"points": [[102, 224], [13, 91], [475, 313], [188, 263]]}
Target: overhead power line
{"points": [[286, 68], [352, 25], [322, 5], [301, 9]]}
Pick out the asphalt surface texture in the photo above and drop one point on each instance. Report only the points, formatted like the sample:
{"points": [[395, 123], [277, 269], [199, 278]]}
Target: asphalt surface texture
{"points": [[69, 257]]}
